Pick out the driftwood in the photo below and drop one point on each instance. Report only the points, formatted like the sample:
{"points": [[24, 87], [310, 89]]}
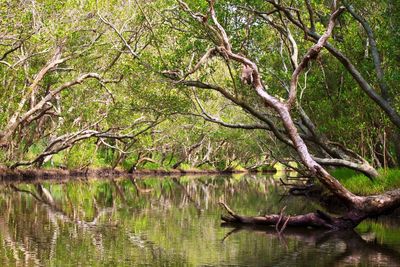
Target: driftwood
{"points": [[318, 219]]}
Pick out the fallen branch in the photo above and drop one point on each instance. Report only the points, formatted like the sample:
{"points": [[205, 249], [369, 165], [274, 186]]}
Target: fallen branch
{"points": [[318, 219]]}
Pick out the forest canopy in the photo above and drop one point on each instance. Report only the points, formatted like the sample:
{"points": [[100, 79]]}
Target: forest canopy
{"points": [[154, 84]]}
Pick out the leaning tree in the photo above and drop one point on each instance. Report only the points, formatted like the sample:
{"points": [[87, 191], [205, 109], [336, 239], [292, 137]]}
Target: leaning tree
{"points": [[283, 125]]}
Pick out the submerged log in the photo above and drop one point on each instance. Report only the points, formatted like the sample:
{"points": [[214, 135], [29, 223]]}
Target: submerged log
{"points": [[318, 219]]}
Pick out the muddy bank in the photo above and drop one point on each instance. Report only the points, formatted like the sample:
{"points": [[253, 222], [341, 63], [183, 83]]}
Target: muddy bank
{"points": [[28, 175]]}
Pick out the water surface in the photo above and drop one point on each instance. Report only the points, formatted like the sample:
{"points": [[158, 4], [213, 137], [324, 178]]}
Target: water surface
{"points": [[166, 221]]}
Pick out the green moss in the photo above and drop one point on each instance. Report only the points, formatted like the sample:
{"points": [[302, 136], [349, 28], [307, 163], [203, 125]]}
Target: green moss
{"points": [[360, 184]]}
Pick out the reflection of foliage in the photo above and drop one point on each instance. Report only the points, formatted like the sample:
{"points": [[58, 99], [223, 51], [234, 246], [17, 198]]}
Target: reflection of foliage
{"points": [[143, 206], [155, 220]]}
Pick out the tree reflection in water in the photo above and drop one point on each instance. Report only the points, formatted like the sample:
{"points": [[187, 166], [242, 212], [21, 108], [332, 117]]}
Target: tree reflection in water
{"points": [[351, 248], [173, 221]]}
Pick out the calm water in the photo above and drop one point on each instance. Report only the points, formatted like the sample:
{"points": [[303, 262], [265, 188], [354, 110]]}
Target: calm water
{"points": [[174, 222]]}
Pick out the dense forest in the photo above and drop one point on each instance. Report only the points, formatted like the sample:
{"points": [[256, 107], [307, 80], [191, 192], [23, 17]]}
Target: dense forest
{"points": [[206, 85]]}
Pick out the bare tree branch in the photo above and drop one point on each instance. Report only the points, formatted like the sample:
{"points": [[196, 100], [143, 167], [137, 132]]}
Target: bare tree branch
{"points": [[390, 111], [374, 51], [311, 54]]}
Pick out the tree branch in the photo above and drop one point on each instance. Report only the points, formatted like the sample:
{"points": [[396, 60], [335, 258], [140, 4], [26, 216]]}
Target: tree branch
{"points": [[311, 54], [374, 51]]}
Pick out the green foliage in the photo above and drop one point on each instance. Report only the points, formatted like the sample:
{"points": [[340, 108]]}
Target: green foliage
{"points": [[360, 184], [343, 173], [185, 167], [82, 155], [152, 166], [168, 38]]}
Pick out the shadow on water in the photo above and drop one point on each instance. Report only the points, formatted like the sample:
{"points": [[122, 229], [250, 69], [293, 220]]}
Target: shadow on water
{"points": [[174, 221]]}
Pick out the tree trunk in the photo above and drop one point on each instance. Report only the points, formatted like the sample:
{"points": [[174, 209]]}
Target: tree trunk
{"points": [[396, 142], [317, 219]]}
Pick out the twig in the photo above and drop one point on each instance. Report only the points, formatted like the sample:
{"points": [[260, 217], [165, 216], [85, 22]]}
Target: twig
{"points": [[231, 212], [279, 220]]}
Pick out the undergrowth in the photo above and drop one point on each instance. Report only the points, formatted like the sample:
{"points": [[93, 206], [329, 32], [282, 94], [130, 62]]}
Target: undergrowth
{"points": [[362, 185]]}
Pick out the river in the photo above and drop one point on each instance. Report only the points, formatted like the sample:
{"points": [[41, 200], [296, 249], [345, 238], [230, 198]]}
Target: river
{"points": [[167, 221]]}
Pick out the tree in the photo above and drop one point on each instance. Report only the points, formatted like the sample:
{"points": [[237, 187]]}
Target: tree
{"points": [[61, 86], [67, 82], [373, 80], [222, 48], [326, 151]]}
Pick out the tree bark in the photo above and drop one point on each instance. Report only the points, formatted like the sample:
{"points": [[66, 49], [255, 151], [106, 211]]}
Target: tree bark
{"points": [[316, 219]]}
